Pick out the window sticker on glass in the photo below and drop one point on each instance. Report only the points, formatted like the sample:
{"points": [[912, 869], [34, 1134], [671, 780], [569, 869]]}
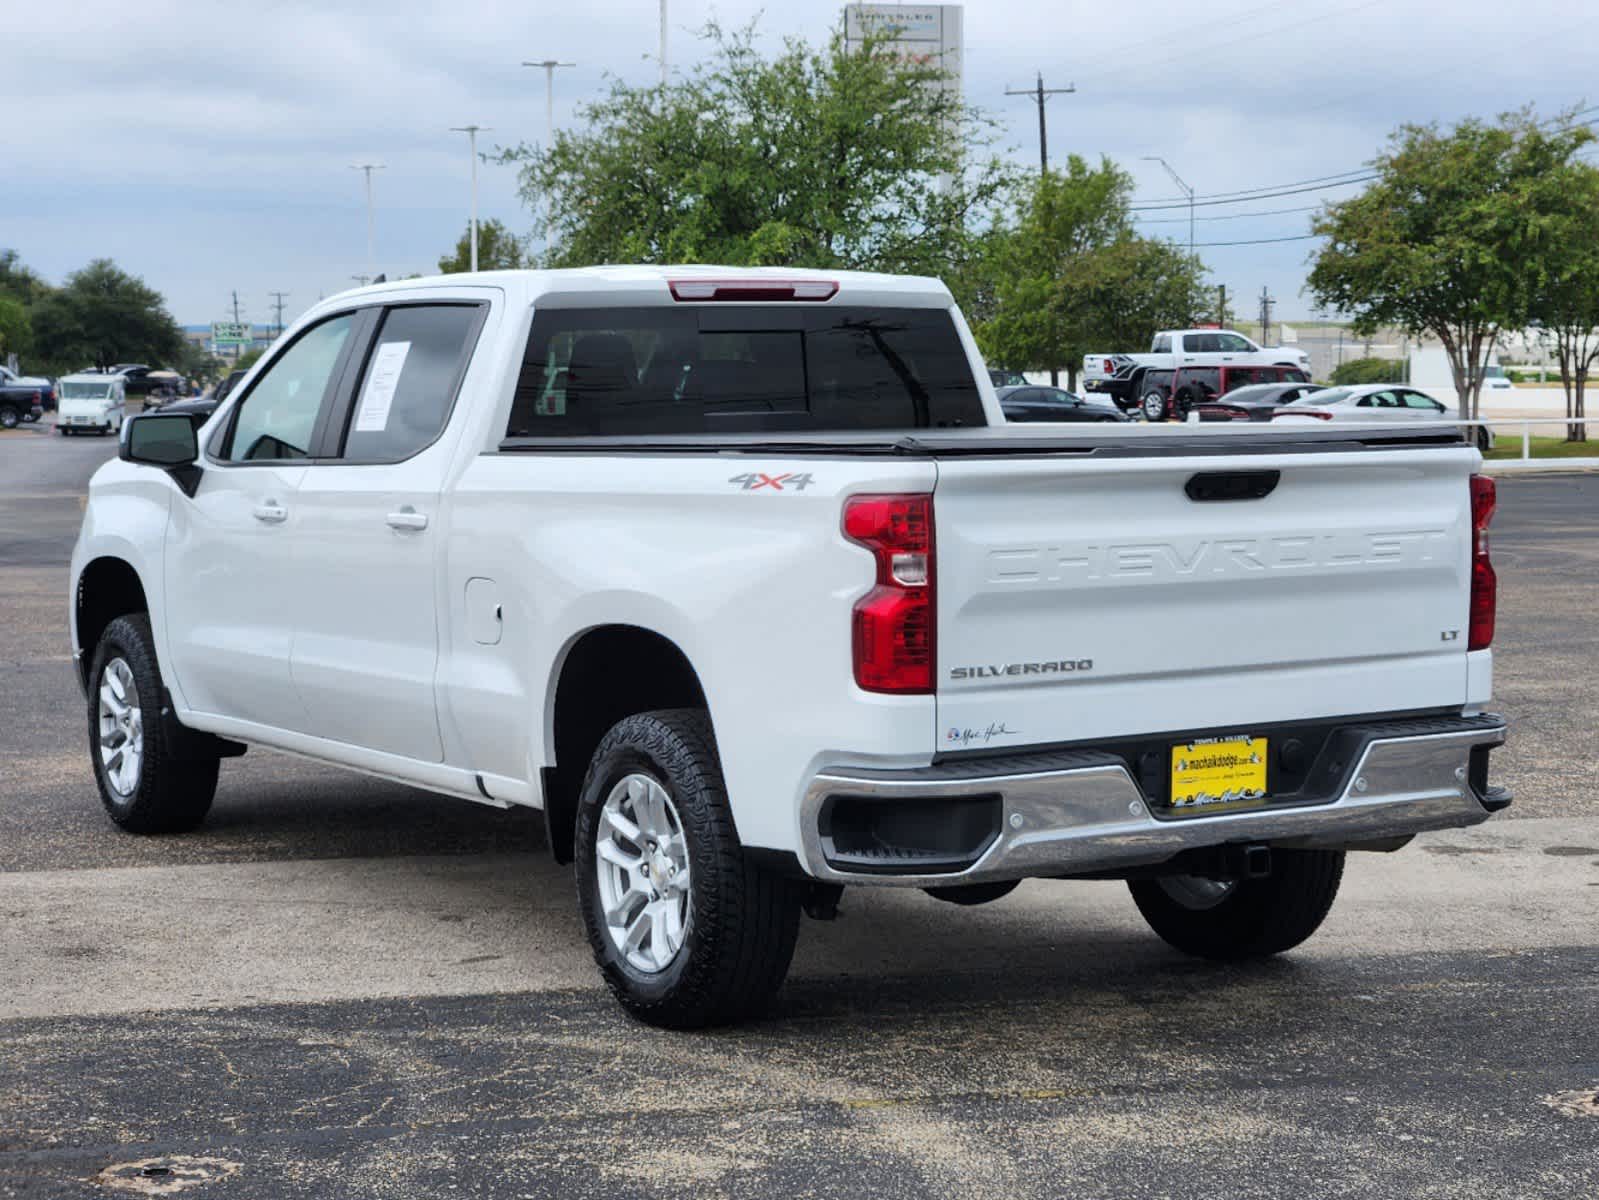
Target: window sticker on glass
{"points": [[378, 395]]}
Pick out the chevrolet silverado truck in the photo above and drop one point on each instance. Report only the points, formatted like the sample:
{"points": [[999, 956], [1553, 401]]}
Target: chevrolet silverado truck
{"points": [[741, 578], [1121, 376]]}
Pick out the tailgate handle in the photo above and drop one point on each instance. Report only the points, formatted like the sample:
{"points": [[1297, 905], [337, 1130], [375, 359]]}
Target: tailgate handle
{"points": [[1232, 485]]}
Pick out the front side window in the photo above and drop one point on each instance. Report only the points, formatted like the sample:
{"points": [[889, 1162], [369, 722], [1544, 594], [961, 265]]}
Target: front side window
{"points": [[278, 417], [408, 384], [1231, 343], [1418, 400], [741, 368]]}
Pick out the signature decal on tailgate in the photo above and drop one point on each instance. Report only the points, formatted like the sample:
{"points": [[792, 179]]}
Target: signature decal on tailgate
{"points": [[1074, 561], [1060, 666]]}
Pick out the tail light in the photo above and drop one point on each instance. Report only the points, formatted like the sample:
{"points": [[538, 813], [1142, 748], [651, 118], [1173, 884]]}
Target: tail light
{"points": [[1484, 583], [1321, 414], [893, 623], [1110, 367]]}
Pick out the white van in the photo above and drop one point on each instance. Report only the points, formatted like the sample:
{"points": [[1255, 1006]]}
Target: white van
{"points": [[97, 402]]}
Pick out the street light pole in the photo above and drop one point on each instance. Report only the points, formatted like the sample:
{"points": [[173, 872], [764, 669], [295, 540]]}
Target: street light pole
{"points": [[549, 65], [471, 132], [663, 43], [1187, 191], [367, 169]]}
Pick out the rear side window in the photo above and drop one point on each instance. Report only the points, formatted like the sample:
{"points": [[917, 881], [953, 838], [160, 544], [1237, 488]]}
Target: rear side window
{"points": [[741, 368], [408, 384]]}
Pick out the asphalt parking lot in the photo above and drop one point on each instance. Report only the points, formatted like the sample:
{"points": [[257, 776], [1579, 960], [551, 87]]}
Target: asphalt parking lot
{"points": [[344, 987]]}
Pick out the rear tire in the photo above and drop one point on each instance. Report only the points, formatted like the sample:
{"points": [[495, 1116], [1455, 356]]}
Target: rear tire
{"points": [[145, 788], [1153, 406], [1248, 918], [653, 810]]}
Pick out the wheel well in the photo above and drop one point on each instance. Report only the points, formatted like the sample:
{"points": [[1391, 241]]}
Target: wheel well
{"points": [[107, 589], [612, 672]]}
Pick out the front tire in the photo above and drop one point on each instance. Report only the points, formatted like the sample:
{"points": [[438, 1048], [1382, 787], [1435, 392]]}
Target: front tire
{"points": [[1243, 918], [686, 930], [144, 787], [1153, 406]]}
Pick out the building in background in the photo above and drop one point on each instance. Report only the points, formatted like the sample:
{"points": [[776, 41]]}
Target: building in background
{"points": [[924, 33]]}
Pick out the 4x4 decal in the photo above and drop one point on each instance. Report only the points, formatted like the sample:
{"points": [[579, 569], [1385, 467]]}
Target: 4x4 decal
{"points": [[752, 481]]}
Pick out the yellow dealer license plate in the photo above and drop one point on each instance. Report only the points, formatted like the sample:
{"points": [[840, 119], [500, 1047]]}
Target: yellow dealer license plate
{"points": [[1218, 770]]}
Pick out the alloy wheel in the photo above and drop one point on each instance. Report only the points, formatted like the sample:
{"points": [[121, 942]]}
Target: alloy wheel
{"points": [[121, 727], [642, 866]]}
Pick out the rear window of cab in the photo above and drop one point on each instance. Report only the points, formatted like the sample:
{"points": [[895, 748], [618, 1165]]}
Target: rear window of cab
{"points": [[726, 368]]}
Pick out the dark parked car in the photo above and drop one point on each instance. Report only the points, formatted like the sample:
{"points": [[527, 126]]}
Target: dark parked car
{"points": [[1033, 403], [201, 406], [19, 404], [1256, 402], [1000, 377], [220, 392], [1169, 395]]}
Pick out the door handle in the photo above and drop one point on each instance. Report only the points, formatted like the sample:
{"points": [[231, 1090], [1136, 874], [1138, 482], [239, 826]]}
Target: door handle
{"points": [[271, 512], [408, 518]]}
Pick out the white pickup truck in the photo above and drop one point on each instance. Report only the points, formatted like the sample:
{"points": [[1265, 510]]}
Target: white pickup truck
{"points": [[1119, 376], [740, 578]]}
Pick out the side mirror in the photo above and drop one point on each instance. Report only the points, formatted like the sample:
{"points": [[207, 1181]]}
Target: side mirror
{"points": [[166, 440]]}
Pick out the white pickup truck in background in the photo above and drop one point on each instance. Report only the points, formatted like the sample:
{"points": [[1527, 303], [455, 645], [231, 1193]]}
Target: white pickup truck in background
{"points": [[740, 577], [1119, 376]]}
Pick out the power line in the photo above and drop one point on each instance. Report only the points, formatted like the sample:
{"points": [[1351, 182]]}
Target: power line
{"points": [[1265, 212], [1265, 187], [1322, 187], [1303, 237], [1197, 53]]}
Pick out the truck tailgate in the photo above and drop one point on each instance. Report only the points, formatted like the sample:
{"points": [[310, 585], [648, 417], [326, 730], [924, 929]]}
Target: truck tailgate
{"points": [[1094, 597]]}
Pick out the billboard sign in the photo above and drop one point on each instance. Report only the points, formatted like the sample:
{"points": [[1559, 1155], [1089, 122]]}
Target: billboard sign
{"points": [[231, 333], [922, 33]]}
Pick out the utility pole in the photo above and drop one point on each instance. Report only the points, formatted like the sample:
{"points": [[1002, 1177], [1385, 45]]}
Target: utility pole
{"points": [[549, 65], [1266, 301], [361, 279], [277, 307], [1039, 93], [471, 132], [238, 347], [1221, 305], [663, 43], [367, 169], [1187, 191]]}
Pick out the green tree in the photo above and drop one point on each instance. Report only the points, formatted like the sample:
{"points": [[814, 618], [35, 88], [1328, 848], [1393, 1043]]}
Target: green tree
{"points": [[16, 330], [1567, 307], [103, 315], [19, 281], [498, 249], [1367, 370], [1068, 276], [817, 157], [1457, 236]]}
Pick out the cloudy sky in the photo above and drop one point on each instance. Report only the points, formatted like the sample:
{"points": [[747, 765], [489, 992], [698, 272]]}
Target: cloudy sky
{"points": [[207, 145]]}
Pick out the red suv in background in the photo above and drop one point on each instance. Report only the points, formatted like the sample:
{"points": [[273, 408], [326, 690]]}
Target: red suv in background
{"points": [[1169, 394]]}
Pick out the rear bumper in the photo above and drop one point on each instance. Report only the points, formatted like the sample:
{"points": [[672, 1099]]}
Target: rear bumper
{"points": [[1079, 812]]}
